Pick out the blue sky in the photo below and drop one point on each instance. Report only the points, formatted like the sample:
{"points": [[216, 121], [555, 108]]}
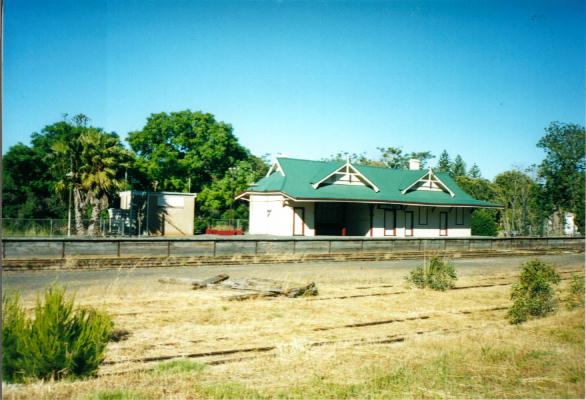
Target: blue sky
{"points": [[478, 78]]}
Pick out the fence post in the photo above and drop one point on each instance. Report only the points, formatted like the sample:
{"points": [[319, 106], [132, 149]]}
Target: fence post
{"points": [[168, 248], [51, 227], [63, 249]]}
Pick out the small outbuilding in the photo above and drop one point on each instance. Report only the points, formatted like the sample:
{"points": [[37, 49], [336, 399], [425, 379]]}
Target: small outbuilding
{"points": [[159, 213], [308, 198]]}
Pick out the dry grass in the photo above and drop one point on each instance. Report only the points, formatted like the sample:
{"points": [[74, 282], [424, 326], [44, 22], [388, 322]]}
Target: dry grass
{"points": [[470, 354]]}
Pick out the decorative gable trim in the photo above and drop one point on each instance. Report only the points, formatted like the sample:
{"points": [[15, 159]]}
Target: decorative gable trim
{"points": [[276, 167], [429, 181], [349, 175]]}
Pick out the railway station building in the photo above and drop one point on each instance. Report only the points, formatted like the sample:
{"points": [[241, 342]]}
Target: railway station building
{"points": [[336, 198]]}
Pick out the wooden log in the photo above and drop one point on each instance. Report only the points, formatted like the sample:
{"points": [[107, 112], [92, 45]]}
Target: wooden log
{"points": [[195, 283], [255, 295], [307, 290], [253, 284], [210, 281], [177, 281]]}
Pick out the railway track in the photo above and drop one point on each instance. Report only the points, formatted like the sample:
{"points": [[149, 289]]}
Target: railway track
{"points": [[488, 285], [388, 339], [266, 350]]}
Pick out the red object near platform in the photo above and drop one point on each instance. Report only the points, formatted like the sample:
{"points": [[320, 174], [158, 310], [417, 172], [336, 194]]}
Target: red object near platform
{"points": [[225, 232]]}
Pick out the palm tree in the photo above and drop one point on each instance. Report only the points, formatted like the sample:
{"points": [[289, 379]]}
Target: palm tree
{"points": [[64, 161], [102, 160]]}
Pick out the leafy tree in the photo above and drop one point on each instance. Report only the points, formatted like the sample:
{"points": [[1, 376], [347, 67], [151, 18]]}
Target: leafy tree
{"points": [[390, 157], [38, 178], [393, 157], [458, 167], [563, 168], [360, 158], [482, 223], [217, 199], [514, 189], [27, 189], [90, 163], [481, 189], [444, 163], [185, 151], [540, 208], [30, 179], [423, 156]]}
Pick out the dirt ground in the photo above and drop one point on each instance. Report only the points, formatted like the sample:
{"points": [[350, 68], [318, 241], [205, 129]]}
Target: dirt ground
{"points": [[365, 319]]}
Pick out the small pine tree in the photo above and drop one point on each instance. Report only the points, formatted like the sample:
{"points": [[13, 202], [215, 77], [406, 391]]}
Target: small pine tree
{"points": [[458, 167], [444, 164], [60, 341], [474, 172]]}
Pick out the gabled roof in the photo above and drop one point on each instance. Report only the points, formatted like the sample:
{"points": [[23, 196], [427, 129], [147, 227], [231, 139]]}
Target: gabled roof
{"points": [[299, 176], [350, 171], [429, 178]]}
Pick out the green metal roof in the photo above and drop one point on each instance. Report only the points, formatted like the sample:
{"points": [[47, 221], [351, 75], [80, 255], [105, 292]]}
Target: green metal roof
{"points": [[301, 174]]}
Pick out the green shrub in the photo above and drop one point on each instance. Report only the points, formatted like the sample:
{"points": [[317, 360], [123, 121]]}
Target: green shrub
{"points": [[437, 274], [575, 296], [58, 342], [482, 223], [116, 394], [14, 325], [534, 295], [179, 366]]}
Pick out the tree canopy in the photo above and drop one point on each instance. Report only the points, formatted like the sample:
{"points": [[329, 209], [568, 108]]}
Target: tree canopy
{"points": [[185, 151], [192, 151], [562, 170]]}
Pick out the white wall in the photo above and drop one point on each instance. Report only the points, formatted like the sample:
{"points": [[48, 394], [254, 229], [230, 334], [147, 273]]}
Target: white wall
{"points": [[272, 214], [431, 228]]}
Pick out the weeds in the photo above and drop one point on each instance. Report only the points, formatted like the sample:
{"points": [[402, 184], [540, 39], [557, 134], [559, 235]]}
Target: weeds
{"points": [[575, 296], [534, 294], [179, 366], [58, 342], [116, 394], [437, 274]]}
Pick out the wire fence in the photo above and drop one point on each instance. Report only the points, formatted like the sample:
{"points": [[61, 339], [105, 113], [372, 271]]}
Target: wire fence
{"points": [[48, 227], [220, 226], [108, 227]]}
